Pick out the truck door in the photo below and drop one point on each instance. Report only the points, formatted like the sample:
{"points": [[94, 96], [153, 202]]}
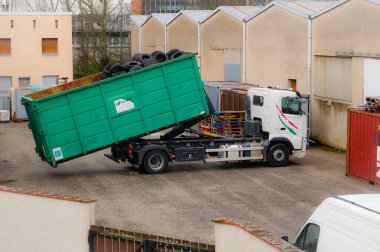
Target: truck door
{"points": [[293, 121]]}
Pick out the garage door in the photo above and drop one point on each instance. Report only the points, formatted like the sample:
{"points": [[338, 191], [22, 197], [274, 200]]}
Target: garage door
{"points": [[371, 78], [5, 84], [50, 80]]}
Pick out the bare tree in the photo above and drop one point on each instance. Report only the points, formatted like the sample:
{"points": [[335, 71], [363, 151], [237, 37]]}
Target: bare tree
{"points": [[39, 5], [101, 22]]}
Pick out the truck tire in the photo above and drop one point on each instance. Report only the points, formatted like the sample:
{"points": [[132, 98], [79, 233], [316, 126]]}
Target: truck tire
{"points": [[278, 155], [155, 161]]}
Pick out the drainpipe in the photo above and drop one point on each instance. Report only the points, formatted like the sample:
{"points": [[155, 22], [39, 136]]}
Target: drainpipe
{"points": [[199, 45], [309, 66], [166, 31], [244, 53], [140, 40]]}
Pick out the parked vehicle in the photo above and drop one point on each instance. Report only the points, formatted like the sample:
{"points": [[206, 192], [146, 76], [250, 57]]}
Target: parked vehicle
{"points": [[83, 116], [345, 223], [276, 128]]}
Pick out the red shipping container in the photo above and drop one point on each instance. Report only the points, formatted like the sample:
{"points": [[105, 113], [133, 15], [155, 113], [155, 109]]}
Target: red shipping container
{"points": [[363, 145]]}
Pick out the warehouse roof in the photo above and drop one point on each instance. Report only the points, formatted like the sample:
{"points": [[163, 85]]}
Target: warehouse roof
{"points": [[195, 15], [163, 18], [304, 8], [238, 12], [139, 19], [336, 4]]}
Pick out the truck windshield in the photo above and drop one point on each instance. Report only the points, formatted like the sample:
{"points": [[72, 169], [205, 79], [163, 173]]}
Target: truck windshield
{"points": [[291, 105], [308, 239]]}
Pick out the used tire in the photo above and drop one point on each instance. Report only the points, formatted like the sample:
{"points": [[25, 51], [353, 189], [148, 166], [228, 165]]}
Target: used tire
{"points": [[144, 56], [116, 69], [170, 52], [134, 63], [135, 56], [106, 72], [177, 55], [155, 161], [148, 62], [278, 155], [160, 56], [133, 68]]}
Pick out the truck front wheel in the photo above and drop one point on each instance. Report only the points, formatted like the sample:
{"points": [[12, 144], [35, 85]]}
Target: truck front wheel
{"points": [[278, 155], [155, 161]]}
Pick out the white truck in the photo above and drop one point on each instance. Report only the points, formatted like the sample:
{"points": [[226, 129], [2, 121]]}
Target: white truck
{"points": [[349, 223], [275, 129]]}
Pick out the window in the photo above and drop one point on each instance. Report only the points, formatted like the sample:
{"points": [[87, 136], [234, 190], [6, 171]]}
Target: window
{"points": [[5, 46], [258, 100], [308, 239], [23, 81], [49, 46], [291, 105], [56, 23], [34, 23], [11, 23], [50, 80]]}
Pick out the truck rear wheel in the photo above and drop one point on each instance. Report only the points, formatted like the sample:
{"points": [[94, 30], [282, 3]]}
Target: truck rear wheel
{"points": [[278, 155], [155, 161]]}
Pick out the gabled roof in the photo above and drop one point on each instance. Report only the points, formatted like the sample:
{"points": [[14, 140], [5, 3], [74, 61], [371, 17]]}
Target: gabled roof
{"points": [[238, 12], [195, 15], [304, 8], [163, 18], [139, 19], [337, 4]]}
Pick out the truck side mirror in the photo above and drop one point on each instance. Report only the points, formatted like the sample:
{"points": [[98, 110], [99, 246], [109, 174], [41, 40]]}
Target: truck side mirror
{"points": [[285, 238]]}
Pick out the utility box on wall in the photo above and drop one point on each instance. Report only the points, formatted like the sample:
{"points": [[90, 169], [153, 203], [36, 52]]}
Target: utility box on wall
{"points": [[363, 145]]}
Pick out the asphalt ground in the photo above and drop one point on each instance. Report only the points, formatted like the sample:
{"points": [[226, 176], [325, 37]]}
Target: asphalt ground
{"points": [[182, 202]]}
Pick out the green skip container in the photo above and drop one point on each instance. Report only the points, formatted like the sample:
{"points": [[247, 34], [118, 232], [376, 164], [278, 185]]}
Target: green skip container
{"points": [[90, 114]]}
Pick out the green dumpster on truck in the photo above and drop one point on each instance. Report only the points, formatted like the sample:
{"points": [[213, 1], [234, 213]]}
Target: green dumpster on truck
{"points": [[89, 114]]}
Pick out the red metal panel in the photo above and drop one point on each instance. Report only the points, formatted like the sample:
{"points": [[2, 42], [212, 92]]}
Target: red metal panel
{"points": [[362, 144]]}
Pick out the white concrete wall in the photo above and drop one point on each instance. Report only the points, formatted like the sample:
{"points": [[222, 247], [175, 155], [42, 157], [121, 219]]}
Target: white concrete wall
{"points": [[35, 223]]}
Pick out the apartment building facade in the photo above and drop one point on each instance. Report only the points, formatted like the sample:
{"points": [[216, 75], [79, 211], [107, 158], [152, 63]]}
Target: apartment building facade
{"points": [[35, 48]]}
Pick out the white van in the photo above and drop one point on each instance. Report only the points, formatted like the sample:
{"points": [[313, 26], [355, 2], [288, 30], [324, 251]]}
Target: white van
{"points": [[343, 224]]}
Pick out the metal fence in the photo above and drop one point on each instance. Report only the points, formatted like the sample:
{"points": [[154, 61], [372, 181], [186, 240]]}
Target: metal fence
{"points": [[102, 239]]}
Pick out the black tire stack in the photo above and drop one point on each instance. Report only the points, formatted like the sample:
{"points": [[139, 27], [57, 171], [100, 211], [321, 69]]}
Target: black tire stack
{"points": [[139, 61]]}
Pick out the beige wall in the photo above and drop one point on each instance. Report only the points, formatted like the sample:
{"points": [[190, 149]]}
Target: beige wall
{"points": [[135, 38], [219, 32], [182, 33], [152, 36], [277, 49], [26, 57], [352, 27]]}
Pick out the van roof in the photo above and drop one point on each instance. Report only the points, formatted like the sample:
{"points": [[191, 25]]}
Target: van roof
{"points": [[370, 202]]}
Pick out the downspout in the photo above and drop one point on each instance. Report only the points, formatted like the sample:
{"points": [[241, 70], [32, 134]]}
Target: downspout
{"points": [[244, 52], [140, 40], [166, 31], [309, 70], [199, 45]]}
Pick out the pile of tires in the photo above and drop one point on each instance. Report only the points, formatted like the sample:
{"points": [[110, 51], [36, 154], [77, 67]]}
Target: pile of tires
{"points": [[139, 61]]}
